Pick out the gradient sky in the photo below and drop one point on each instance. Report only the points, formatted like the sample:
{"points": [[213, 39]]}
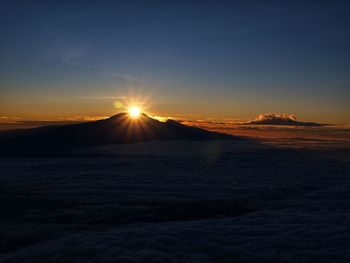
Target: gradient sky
{"points": [[194, 59]]}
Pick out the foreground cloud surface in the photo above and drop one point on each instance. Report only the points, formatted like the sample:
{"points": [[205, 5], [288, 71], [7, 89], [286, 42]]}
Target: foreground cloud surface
{"points": [[181, 202]]}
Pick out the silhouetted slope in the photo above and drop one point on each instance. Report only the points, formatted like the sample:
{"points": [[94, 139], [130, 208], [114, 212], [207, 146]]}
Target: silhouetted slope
{"points": [[118, 129]]}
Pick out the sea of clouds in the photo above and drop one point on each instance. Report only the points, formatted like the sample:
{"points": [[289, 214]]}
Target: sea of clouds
{"points": [[176, 202]]}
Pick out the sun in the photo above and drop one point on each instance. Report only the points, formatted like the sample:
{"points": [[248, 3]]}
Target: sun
{"points": [[134, 111]]}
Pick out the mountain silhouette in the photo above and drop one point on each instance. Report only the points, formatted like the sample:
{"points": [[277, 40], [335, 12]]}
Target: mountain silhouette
{"points": [[118, 129]]}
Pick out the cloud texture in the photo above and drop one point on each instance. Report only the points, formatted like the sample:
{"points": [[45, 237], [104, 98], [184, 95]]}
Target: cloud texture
{"points": [[176, 202], [280, 119]]}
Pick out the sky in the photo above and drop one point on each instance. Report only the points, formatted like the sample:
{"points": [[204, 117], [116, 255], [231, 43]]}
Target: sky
{"points": [[192, 59]]}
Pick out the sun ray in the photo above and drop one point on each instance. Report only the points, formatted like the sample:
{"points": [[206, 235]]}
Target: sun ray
{"points": [[134, 112]]}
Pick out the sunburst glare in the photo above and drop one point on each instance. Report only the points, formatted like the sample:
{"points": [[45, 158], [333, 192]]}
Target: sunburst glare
{"points": [[134, 111]]}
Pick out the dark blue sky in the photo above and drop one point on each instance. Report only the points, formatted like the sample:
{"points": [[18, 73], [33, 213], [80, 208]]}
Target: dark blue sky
{"points": [[231, 59]]}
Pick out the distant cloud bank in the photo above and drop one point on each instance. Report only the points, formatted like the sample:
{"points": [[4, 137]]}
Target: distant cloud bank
{"points": [[281, 119]]}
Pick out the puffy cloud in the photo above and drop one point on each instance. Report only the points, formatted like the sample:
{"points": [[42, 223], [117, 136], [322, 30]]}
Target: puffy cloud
{"points": [[280, 119], [165, 118], [276, 116]]}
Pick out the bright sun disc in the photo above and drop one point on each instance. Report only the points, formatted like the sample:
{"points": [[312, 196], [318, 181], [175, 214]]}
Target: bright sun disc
{"points": [[134, 112]]}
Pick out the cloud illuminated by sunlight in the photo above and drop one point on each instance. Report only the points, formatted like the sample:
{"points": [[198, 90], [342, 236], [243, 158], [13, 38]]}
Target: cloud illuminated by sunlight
{"points": [[160, 118]]}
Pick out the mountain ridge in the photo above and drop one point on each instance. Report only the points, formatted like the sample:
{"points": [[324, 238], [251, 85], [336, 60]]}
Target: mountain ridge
{"points": [[118, 129]]}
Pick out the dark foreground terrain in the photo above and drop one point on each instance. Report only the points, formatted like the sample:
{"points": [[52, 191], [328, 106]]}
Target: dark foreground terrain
{"points": [[217, 201], [59, 140]]}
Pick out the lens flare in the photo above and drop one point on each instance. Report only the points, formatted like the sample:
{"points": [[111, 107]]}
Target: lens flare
{"points": [[134, 111]]}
